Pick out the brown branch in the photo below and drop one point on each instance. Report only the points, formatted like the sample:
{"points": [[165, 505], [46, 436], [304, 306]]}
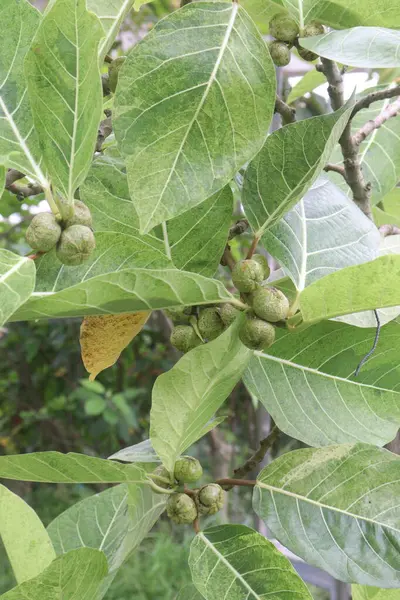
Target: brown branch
{"points": [[386, 230], [336, 169], [196, 526], [12, 176], [238, 228], [374, 97], [392, 110], [229, 483], [259, 455], [287, 113], [21, 191], [227, 259], [253, 247]]}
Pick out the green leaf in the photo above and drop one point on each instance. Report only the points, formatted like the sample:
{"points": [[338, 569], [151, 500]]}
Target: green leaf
{"points": [[77, 574], [325, 232], [65, 91], [17, 282], [141, 453], [363, 592], [111, 15], [166, 106], [359, 47], [337, 508], [288, 164], [114, 521], [189, 592], [383, 217], [185, 398], [2, 180], [54, 467], [234, 561], [306, 382], [392, 203], [128, 290], [371, 285], [95, 406], [311, 80], [25, 539]]}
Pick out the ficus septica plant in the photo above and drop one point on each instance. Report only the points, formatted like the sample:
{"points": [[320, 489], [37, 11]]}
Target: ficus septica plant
{"points": [[273, 251]]}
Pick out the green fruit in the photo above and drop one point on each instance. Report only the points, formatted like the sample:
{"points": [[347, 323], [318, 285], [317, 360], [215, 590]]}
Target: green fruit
{"points": [[246, 275], [280, 53], [257, 334], [44, 232], [283, 28], [262, 260], [210, 323], [187, 469], [307, 54], [178, 314], [76, 245], [228, 314], [210, 499], [313, 28], [162, 478], [113, 72], [181, 509], [270, 304], [81, 215], [184, 338]]}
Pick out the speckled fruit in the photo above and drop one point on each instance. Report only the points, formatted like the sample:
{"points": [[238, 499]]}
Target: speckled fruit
{"points": [[283, 28], [76, 245], [181, 509], [187, 469], [81, 215], [43, 233], [210, 323], [257, 334], [210, 499], [184, 338], [247, 275], [280, 53], [270, 304]]}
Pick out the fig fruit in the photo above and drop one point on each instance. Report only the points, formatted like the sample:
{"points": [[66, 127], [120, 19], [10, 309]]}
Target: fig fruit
{"points": [[43, 232], [280, 53], [184, 338], [81, 215], [257, 334], [187, 469], [161, 478], [246, 275], [262, 260], [228, 314], [307, 55], [313, 28], [76, 245], [181, 509], [270, 304], [283, 28], [210, 323], [210, 499]]}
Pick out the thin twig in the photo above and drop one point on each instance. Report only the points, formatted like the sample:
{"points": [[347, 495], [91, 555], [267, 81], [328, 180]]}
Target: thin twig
{"points": [[374, 97], [21, 191], [336, 169], [392, 110], [259, 455], [386, 230], [287, 113], [253, 247], [196, 526], [228, 482]]}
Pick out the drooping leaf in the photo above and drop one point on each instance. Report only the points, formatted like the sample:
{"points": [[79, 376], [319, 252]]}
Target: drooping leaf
{"points": [[185, 398], [337, 509], [65, 92], [234, 561], [104, 337], [288, 164], [111, 14], [364, 592], [143, 452], [311, 80], [306, 382], [17, 282], [78, 574], [359, 47], [24, 537], [174, 169]]}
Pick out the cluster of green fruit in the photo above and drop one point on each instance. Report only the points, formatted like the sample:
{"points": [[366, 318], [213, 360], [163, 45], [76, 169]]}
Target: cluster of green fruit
{"points": [[287, 33], [73, 237], [184, 507]]}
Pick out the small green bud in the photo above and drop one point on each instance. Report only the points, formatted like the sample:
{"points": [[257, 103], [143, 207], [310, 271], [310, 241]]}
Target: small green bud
{"points": [[246, 275], [283, 28], [280, 53], [44, 232], [113, 72], [76, 245], [184, 338], [313, 28], [270, 304], [257, 334], [228, 314], [210, 499], [81, 215], [162, 478], [262, 260], [307, 55], [187, 469], [181, 509], [210, 324]]}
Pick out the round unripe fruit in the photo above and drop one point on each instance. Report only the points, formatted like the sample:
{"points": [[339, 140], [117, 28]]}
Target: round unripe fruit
{"points": [[246, 275], [210, 323], [210, 499], [283, 28], [113, 72], [76, 245], [307, 55], [81, 216], [181, 509], [313, 28], [158, 476], [184, 338], [178, 314], [280, 53], [187, 469], [44, 232], [262, 260], [228, 314], [257, 334], [270, 304]]}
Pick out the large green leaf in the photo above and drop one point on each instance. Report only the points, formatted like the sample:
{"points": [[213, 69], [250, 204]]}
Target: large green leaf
{"points": [[371, 285], [337, 508], [185, 398], [189, 592], [78, 574], [114, 521], [17, 282], [359, 47], [236, 562], [167, 107], [24, 537], [364, 592], [325, 232], [65, 91], [306, 382], [288, 164], [128, 290], [311, 80]]}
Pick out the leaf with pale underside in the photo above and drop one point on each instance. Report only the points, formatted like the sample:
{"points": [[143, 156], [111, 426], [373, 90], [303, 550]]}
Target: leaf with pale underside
{"points": [[17, 282], [364, 592], [173, 169], [306, 382], [65, 92], [185, 398], [287, 166], [337, 508], [143, 452], [111, 14], [234, 561]]}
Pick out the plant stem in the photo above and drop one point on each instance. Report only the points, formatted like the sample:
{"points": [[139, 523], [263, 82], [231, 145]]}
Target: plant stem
{"points": [[196, 526], [231, 482], [375, 97], [258, 456], [392, 110], [287, 113], [335, 169], [253, 247]]}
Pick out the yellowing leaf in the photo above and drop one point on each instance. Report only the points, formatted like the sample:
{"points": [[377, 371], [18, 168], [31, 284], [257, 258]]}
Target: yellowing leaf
{"points": [[104, 337]]}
